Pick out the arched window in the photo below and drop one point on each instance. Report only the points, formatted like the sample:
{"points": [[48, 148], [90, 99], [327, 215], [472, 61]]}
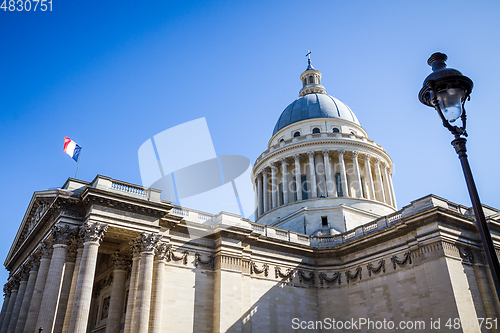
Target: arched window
{"points": [[311, 79], [305, 82], [296, 134], [335, 130], [316, 130]]}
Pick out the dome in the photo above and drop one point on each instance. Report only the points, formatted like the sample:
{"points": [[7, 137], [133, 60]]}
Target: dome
{"points": [[314, 105]]}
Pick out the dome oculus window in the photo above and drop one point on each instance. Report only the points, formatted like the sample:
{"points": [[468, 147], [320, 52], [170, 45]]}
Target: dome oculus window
{"points": [[335, 130], [296, 134], [316, 130], [281, 140]]}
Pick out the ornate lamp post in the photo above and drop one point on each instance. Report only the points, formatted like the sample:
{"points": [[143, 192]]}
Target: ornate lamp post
{"points": [[446, 90]]}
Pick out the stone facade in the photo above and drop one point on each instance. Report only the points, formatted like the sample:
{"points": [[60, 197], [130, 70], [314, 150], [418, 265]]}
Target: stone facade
{"points": [[120, 260], [328, 243]]}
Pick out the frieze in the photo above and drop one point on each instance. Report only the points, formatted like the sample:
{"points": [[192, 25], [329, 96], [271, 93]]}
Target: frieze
{"points": [[407, 258], [72, 212], [171, 256], [255, 270], [371, 269], [335, 277], [198, 260], [287, 276], [349, 276], [303, 277], [125, 206]]}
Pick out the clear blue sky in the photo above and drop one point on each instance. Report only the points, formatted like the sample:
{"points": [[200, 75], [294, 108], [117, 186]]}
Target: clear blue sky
{"points": [[111, 74]]}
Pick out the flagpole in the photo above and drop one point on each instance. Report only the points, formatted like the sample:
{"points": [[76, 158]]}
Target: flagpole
{"points": [[78, 163]]}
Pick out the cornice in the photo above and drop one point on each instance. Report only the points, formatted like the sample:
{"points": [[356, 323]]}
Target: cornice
{"points": [[292, 147]]}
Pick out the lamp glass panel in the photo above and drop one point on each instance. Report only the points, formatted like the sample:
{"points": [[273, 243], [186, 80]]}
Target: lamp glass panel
{"points": [[450, 101]]}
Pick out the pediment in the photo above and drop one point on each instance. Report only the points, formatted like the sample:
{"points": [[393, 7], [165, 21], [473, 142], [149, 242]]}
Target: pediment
{"points": [[38, 208]]}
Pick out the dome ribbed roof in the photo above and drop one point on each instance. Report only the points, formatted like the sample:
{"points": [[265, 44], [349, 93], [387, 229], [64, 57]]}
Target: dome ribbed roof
{"points": [[314, 105]]}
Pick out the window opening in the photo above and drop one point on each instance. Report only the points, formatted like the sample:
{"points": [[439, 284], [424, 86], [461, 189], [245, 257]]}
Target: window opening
{"points": [[338, 184]]}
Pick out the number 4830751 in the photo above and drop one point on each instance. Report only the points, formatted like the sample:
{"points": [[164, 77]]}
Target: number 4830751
{"points": [[26, 5]]}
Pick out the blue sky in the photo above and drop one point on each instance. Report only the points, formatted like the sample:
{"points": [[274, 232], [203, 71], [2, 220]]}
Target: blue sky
{"points": [[111, 74]]}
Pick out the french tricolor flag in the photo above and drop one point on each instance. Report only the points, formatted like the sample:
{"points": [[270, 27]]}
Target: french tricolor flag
{"points": [[72, 148]]}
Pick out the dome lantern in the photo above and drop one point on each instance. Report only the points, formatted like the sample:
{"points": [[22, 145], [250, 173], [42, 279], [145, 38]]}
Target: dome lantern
{"points": [[311, 79]]}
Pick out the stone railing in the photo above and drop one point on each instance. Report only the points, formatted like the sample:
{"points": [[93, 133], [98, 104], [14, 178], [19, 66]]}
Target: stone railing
{"points": [[191, 214], [117, 186]]}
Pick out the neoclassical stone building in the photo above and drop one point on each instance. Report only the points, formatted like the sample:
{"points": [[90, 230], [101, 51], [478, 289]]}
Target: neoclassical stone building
{"points": [[328, 242]]}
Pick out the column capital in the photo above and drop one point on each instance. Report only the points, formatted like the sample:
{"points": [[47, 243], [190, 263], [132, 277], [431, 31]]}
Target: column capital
{"points": [[33, 262], [7, 289], [340, 152], [46, 250], [377, 161], [283, 160], [311, 153], [93, 231], [148, 241], [272, 166], [326, 152], [355, 153], [62, 234], [296, 157], [161, 251], [15, 282], [25, 273], [120, 261], [367, 157]]}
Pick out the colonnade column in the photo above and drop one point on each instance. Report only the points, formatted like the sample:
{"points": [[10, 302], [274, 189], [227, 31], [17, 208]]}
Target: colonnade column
{"points": [[10, 307], [312, 171], [274, 190], [388, 186], [62, 236], [36, 299], [359, 189], [92, 233], [369, 178], [284, 173], [132, 290], [264, 189], [67, 280], [328, 173], [298, 180], [28, 294], [120, 264], [19, 300], [74, 281], [380, 186], [6, 299], [157, 289], [391, 187], [343, 176], [259, 195], [145, 281]]}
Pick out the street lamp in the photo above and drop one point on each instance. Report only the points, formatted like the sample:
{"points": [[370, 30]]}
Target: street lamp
{"points": [[446, 90]]}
